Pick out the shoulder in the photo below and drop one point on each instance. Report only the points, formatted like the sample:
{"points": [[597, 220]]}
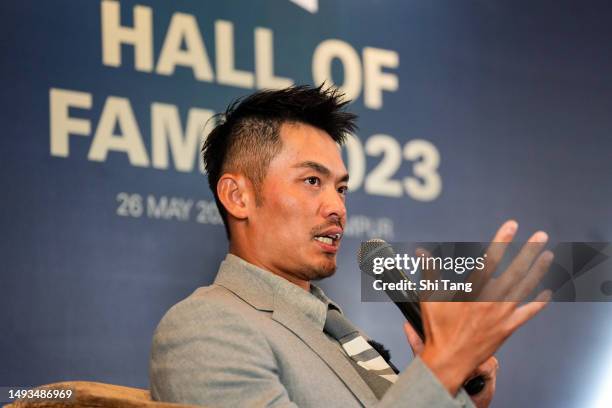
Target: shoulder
{"points": [[207, 305], [209, 311], [211, 348]]}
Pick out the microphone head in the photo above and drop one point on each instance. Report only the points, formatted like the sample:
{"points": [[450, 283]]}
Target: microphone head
{"points": [[371, 249]]}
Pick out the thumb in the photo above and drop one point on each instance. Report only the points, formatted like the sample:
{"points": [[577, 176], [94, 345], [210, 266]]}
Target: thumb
{"points": [[416, 344]]}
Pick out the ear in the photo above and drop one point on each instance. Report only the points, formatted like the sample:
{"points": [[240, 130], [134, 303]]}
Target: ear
{"points": [[235, 194]]}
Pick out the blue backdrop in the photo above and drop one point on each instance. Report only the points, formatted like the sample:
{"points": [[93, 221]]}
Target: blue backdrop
{"points": [[471, 112]]}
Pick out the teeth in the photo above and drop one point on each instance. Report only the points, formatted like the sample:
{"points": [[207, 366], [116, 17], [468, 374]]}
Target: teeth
{"points": [[325, 240]]}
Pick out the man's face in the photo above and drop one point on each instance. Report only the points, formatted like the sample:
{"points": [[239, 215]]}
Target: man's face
{"points": [[299, 225]]}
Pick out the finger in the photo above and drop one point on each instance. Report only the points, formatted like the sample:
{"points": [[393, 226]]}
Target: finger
{"points": [[429, 309], [519, 266], [487, 369], [529, 251], [524, 313], [415, 341], [428, 273], [505, 234], [494, 254], [534, 276]]}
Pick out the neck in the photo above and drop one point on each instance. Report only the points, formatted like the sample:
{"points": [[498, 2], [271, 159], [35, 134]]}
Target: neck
{"points": [[241, 252]]}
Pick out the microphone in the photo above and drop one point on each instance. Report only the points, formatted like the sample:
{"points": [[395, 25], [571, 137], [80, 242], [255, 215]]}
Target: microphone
{"points": [[406, 300]]}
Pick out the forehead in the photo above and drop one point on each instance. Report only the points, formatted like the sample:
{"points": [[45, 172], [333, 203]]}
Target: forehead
{"points": [[302, 142]]}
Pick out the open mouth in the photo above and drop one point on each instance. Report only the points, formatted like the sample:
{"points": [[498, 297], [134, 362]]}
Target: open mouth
{"points": [[331, 239]]}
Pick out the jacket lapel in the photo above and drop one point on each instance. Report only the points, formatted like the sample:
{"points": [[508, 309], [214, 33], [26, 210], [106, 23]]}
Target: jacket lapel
{"points": [[325, 349]]}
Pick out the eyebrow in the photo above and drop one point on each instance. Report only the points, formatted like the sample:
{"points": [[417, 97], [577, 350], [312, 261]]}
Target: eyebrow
{"points": [[319, 168]]}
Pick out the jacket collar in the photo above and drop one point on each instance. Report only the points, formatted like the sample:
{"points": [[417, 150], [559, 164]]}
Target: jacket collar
{"points": [[266, 291]]}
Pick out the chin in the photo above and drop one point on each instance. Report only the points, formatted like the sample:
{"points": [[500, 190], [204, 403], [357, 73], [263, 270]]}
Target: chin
{"points": [[324, 270]]}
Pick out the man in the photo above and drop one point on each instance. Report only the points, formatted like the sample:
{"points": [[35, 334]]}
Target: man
{"points": [[263, 334]]}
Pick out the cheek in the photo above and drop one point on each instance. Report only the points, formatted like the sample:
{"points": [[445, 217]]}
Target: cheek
{"points": [[288, 199], [290, 207]]}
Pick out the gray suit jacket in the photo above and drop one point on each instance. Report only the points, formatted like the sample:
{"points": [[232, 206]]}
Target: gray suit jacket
{"points": [[253, 339]]}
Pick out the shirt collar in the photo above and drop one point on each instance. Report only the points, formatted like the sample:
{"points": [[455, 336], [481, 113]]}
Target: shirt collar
{"points": [[265, 290]]}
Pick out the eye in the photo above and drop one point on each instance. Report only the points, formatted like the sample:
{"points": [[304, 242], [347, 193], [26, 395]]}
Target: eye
{"points": [[313, 181], [343, 190]]}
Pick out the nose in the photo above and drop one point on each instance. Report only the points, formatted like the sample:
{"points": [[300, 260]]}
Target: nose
{"points": [[333, 207]]}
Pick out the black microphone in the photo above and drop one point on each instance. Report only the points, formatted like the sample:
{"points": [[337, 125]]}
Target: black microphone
{"points": [[406, 300]]}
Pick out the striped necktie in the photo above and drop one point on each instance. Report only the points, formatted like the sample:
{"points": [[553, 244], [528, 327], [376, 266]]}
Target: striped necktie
{"points": [[374, 370]]}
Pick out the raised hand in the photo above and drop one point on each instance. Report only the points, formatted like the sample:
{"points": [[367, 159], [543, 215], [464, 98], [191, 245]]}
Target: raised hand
{"points": [[462, 336]]}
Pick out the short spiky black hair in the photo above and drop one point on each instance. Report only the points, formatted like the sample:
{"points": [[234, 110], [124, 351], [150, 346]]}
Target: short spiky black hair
{"points": [[247, 135]]}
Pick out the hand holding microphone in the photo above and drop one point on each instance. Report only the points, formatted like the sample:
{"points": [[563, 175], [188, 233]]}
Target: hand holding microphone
{"points": [[408, 303], [460, 336]]}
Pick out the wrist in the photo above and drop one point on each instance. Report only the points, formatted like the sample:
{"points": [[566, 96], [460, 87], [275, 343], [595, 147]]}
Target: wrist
{"points": [[450, 370]]}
